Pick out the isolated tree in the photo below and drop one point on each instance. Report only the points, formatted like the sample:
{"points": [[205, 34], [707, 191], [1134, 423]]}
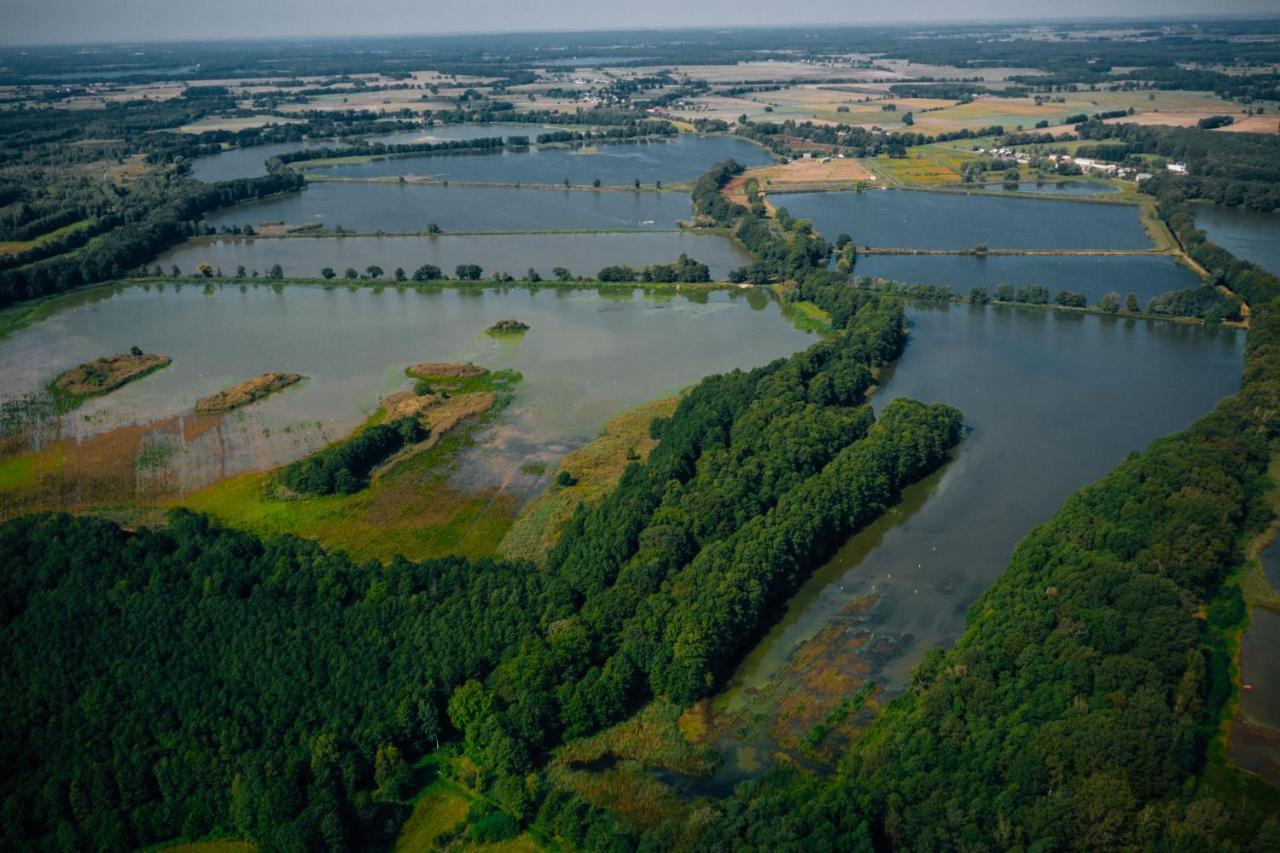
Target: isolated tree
{"points": [[427, 272], [276, 272], [373, 270], [350, 273], [561, 273], [327, 273], [399, 274], [1131, 303], [532, 275], [1110, 303]]}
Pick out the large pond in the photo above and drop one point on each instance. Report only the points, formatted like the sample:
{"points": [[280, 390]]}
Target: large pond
{"points": [[469, 130], [582, 254], [585, 357], [1247, 234], [616, 164], [250, 162], [411, 207], [935, 220], [1093, 275], [1052, 401]]}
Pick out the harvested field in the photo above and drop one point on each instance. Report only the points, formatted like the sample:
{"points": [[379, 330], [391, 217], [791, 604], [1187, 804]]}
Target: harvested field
{"points": [[246, 392]]}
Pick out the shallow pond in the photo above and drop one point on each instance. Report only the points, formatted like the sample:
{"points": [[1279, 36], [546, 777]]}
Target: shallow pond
{"points": [[585, 357], [1093, 275], [250, 162], [936, 220], [469, 130], [1247, 234], [1052, 402], [615, 164], [411, 207], [582, 254]]}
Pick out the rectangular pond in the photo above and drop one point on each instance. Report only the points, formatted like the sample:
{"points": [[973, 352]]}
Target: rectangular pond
{"points": [[938, 220], [1147, 276], [411, 207], [615, 164], [582, 254], [1248, 234]]}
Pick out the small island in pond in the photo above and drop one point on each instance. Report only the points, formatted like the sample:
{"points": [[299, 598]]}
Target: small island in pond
{"points": [[246, 392], [106, 374], [507, 327]]}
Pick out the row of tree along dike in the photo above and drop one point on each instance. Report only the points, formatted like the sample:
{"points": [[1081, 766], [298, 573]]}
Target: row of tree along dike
{"points": [[272, 690], [683, 270]]}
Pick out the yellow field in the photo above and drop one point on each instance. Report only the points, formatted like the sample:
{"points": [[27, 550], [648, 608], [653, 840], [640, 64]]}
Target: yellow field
{"points": [[441, 807], [924, 164]]}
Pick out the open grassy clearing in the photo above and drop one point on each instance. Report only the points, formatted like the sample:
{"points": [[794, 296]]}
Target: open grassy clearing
{"points": [[929, 165], [15, 246]]}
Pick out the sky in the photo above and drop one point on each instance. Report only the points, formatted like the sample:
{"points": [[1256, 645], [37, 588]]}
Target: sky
{"points": [[87, 21]]}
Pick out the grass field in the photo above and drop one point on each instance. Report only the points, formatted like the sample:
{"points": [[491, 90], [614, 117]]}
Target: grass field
{"points": [[597, 468], [924, 164], [409, 510], [15, 246], [234, 123]]}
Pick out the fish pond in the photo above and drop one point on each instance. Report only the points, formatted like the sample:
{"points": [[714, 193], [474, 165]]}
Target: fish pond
{"points": [[585, 357], [683, 158], [412, 207], [1147, 276], [937, 220]]}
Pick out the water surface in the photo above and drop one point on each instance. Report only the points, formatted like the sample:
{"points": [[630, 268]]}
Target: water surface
{"points": [[585, 357], [469, 130], [248, 162], [1052, 402], [411, 207], [935, 220], [616, 164], [1146, 276], [1247, 234]]}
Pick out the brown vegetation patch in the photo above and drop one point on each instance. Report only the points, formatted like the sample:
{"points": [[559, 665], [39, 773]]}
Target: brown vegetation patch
{"points": [[445, 369], [108, 373], [246, 392]]}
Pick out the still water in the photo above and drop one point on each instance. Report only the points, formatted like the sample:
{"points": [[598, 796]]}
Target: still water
{"points": [[1247, 234], [250, 162], [582, 254], [1052, 402], [411, 207], [585, 357], [1146, 276], [929, 220], [616, 164]]}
